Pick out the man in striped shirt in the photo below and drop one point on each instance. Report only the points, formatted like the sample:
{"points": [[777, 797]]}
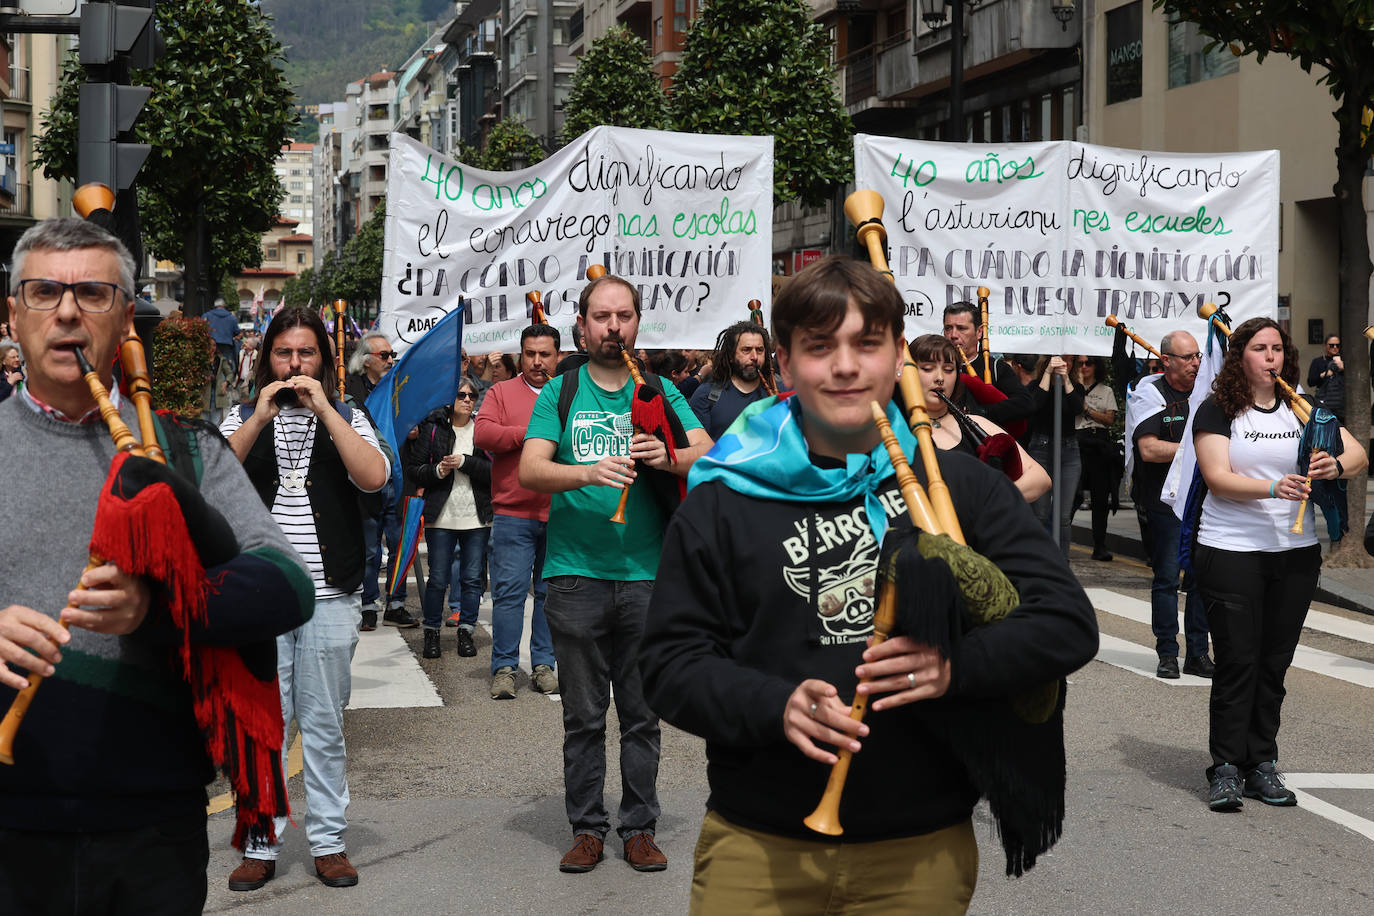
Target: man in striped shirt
{"points": [[310, 458]]}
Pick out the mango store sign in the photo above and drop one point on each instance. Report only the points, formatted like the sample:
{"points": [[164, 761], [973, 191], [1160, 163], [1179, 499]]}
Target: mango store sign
{"points": [[686, 218], [1064, 234]]}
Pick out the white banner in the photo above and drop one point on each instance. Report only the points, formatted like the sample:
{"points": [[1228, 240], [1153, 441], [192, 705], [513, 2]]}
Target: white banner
{"points": [[688, 218], [1064, 234]]}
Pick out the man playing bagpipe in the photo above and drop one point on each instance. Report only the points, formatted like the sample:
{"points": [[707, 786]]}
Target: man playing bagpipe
{"points": [[168, 668], [612, 452], [760, 625]]}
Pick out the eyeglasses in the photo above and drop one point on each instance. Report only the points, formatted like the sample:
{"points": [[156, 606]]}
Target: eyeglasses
{"points": [[1334, 346], [465, 396], [384, 355], [1186, 357], [91, 295], [284, 353]]}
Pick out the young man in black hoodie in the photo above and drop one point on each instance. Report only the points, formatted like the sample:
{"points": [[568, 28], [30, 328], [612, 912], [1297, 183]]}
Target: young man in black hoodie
{"points": [[758, 628]]}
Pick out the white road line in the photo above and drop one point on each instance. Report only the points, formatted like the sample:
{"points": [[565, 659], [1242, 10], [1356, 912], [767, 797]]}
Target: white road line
{"points": [[1142, 661], [387, 675], [1360, 825], [1139, 611], [1329, 780], [1318, 661]]}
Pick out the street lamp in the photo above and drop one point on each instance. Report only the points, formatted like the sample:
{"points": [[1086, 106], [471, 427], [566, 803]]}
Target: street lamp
{"points": [[1063, 11]]}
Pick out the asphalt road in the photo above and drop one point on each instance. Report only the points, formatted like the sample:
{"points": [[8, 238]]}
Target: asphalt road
{"points": [[458, 808]]}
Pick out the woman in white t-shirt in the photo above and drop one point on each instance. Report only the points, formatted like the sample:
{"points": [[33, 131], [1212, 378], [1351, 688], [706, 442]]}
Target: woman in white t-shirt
{"points": [[1257, 578]]}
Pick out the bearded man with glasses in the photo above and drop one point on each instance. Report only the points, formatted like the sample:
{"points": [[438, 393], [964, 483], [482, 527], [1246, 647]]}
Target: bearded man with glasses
{"points": [[1156, 414]]}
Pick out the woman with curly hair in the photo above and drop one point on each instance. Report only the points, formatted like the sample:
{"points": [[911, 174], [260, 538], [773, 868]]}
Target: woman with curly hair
{"points": [[1256, 577]]}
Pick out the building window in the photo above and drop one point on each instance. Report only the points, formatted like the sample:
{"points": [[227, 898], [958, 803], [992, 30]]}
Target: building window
{"points": [[1190, 62], [271, 252], [300, 257], [1123, 53]]}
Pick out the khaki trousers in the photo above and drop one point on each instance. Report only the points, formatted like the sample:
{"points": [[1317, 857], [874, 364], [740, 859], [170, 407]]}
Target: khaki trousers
{"points": [[736, 870]]}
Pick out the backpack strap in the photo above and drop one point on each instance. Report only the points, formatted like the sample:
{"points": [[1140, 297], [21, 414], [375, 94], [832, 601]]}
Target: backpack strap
{"points": [[716, 389], [571, 378]]}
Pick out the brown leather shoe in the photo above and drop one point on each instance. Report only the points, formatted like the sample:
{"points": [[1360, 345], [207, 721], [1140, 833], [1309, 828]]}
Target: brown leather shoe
{"points": [[335, 871], [584, 855], [252, 874], [643, 853]]}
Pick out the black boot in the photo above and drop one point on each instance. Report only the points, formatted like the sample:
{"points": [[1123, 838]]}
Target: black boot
{"points": [[431, 644]]}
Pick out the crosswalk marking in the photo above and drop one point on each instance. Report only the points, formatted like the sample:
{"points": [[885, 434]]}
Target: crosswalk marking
{"points": [[1125, 654], [1303, 784], [1136, 658], [386, 674]]}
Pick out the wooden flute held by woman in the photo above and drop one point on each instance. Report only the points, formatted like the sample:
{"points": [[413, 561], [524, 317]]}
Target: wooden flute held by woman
{"points": [[124, 441], [1304, 415], [1113, 322], [983, 292], [865, 210], [826, 818]]}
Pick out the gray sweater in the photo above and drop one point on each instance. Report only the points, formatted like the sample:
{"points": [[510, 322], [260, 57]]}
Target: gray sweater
{"points": [[110, 741]]}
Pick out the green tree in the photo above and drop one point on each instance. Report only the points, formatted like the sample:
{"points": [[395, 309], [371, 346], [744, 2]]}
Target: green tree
{"points": [[217, 119], [297, 290], [1336, 38], [762, 67], [615, 84], [509, 140], [229, 292]]}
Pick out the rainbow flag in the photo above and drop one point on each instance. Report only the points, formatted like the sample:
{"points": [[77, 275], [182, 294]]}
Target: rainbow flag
{"points": [[412, 529]]}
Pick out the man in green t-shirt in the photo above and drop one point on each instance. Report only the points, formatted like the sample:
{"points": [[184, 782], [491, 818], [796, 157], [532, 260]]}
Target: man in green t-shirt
{"points": [[600, 574]]}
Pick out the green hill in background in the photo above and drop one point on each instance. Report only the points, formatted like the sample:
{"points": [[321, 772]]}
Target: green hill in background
{"points": [[331, 43]]}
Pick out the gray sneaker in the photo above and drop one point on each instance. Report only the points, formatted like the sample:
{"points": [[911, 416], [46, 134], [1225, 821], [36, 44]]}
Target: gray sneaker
{"points": [[503, 684], [544, 680]]}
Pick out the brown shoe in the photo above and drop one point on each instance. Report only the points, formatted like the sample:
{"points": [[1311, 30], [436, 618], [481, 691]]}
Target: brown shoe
{"points": [[584, 855], [643, 853], [252, 874], [335, 871]]}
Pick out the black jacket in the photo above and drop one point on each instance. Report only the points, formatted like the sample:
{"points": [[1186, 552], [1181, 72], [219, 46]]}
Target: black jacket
{"points": [[423, 454], [755, 595]]}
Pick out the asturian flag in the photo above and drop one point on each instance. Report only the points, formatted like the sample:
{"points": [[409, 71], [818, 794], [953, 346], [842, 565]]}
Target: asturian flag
{"points": [[425, 377]]}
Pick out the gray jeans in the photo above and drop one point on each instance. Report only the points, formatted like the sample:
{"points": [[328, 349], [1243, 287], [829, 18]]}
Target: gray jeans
{"points": [[597, 625]]}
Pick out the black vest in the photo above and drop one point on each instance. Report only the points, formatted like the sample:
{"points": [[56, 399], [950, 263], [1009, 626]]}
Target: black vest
{"points": [[333, 503]]}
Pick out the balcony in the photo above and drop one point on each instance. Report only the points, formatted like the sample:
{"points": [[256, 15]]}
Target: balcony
{"points": [[896, 66], [998, 34], [23, 202], [19, 85], [860, 75]]}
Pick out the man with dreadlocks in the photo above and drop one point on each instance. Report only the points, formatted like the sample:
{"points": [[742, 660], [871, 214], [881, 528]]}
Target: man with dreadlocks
{"points": [[743, 358]]}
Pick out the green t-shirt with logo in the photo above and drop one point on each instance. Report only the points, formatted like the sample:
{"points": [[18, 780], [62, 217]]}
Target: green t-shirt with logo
{"points": [[582, 540]]}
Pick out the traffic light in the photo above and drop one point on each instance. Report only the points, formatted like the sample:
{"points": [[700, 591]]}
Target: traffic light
{"points": [[115, 39]]}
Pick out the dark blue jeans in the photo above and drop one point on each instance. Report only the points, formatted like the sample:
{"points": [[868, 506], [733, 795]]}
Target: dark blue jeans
{"points": [[517, 559], [449, 548], [597, 626], [1164, 530], [388, 523]]}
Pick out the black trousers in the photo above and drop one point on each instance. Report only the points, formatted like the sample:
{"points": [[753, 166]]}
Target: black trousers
{"points": [[1256, 603], [1098, 458], [150, 871]]}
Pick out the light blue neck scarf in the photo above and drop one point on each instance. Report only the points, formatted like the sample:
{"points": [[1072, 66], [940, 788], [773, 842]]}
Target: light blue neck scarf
{"points": [[765, 454]]}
